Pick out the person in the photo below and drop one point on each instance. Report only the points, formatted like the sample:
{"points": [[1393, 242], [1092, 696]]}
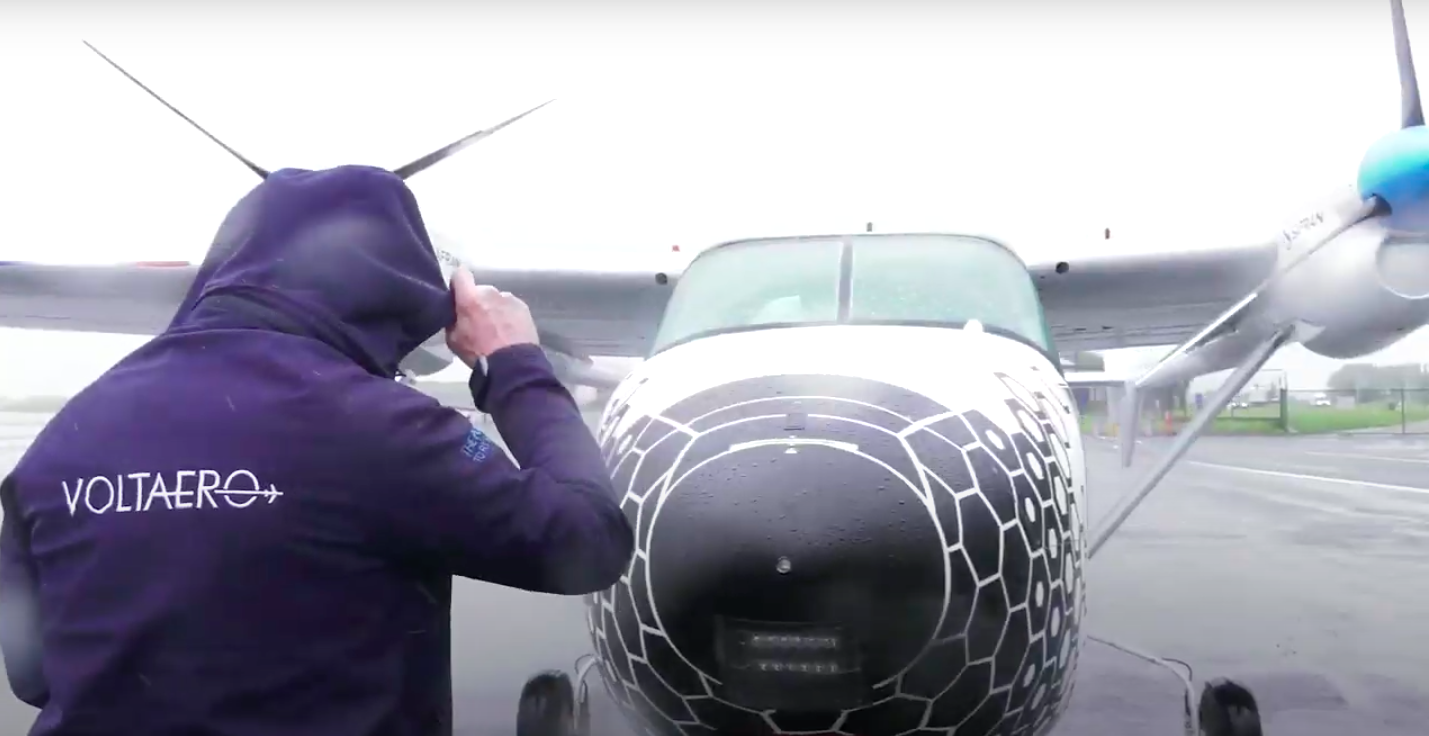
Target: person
{"points": [[248, 527]]}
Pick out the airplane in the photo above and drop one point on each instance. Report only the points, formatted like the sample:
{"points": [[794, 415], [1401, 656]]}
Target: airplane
{"points": [[855, 471]]}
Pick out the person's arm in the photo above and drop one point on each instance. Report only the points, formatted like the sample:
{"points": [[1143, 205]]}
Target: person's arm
{"points": [[19, 606], [449, 496]]}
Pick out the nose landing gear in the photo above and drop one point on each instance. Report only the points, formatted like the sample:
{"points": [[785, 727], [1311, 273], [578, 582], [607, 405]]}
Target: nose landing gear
{"points": [[1229, 709], [547, 706], [1226, 708], [551, 705]]}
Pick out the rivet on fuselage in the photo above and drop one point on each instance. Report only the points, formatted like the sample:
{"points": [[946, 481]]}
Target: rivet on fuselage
{"points": [[783, 566]]}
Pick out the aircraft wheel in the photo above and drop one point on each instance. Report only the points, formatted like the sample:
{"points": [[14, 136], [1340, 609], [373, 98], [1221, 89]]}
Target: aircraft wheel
{"points": [[1229, 709], [547, 706]]}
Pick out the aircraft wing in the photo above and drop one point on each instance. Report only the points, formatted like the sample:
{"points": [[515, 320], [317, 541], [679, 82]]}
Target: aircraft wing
{"points": [[1120, 301], [1094, 379], [608, 313], [612, 313], [134, 299], [1095, 303]]}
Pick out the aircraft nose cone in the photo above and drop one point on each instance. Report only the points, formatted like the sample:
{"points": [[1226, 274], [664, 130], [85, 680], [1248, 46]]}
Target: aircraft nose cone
{"points": [[795, 531], [943, 543]]}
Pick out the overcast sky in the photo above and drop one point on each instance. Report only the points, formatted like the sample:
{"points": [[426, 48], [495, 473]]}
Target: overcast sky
{"points": [[1177, 125]]}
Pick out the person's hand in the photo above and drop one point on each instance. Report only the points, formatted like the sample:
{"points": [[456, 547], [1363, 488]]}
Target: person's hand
{"points": [[487, 320]]}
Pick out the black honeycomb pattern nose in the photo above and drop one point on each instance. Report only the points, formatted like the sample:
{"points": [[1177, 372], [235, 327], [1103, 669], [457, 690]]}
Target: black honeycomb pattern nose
{"points": [[996, 475]]}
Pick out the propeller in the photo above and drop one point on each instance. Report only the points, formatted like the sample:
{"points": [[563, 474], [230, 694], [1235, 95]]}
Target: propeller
{"points": [[1392, 182], [582, 371], [404, 172], [1391, 179], [255, 168], [1394, 168], [1411, 109]]}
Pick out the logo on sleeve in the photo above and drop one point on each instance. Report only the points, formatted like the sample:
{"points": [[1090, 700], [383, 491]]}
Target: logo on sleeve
{"points": [[176, 490], [477, 446]]}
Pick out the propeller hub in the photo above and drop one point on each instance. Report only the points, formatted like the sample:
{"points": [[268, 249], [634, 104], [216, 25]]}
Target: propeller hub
{"points": [[1396, 169]]}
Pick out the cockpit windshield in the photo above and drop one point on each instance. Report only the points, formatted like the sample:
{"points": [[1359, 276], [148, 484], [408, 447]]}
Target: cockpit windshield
{"points": [[934, 280], [759, 283], [945, 280]]}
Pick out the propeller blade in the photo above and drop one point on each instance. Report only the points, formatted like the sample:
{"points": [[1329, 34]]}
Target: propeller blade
{"points": [[255, 168], [422, 164], [1411, 109]]}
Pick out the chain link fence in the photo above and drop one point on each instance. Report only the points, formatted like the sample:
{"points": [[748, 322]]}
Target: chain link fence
{"points": [[1360, 411], [1368, 411]]}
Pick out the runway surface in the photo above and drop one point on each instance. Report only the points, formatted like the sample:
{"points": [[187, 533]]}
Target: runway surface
{"points": [[1296, 565]]}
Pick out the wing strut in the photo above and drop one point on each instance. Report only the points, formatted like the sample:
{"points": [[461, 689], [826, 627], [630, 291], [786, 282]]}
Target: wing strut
{"points": [[1335, 221], [1198, 424]]}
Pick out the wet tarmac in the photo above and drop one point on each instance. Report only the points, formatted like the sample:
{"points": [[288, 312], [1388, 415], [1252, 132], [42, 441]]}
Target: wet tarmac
{"points": [[1291, 564], [1296, 565]]}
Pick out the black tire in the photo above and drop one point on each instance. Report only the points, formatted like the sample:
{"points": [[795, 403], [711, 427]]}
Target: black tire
{"points": [[547, 706], [1229, 709], [582, 722]]}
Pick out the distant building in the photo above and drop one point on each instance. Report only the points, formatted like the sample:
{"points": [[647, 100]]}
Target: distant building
{"points": [[1089, 398]]}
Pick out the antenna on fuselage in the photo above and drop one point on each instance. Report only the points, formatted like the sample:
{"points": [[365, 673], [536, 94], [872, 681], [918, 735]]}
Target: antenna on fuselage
{"points": [[403, 172], [868, 228]]}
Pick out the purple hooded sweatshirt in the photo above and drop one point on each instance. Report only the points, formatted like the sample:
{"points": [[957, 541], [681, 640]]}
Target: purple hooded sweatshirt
{"points": [[248, 528]]}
